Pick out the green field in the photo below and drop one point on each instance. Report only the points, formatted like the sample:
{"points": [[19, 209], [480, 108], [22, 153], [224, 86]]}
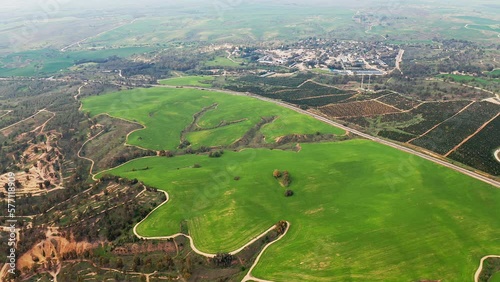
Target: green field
{"points": [[361, 211], [166, 112], [495, 277], [49, 61], [494, 73], [478, 20], [222, 62], [203, 81], [467, 79]]}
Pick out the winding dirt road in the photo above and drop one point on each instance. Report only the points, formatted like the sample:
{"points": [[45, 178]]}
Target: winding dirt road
{"points": [[480, 269], [249, 276]]}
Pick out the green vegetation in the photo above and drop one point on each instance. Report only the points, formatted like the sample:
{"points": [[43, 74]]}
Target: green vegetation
{"points": [[478, 20], [495, 277], [204, 81], [49, 61], [360, 210], [467, 79], [222, 62], [166, 112]]}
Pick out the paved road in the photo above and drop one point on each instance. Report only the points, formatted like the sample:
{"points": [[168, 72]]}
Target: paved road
{"points": [[356, 132]]}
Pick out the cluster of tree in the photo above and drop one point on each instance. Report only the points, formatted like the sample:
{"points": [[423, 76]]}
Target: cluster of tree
{"points": [[127, 156], [184, 144], [166, 153], [223, 260], [283, 177], [216, 154], [281, 227]]}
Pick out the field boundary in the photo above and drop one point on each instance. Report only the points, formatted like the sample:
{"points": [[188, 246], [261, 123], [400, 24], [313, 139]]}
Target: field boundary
{"points": [[437, 125], [248, 276], [196, 250]]}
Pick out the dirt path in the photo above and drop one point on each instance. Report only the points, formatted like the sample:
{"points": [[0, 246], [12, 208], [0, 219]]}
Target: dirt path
{"points": [[191, 242], [472, 135], [480, 269], [229, 57], [309, 80], [78, 95], [32, 116], [435, 126], [322, 84], [88, 159], [497, 155], [42, 127], [249, 276], [399, 60], [8, 112], [147, 275], [465, 85]]}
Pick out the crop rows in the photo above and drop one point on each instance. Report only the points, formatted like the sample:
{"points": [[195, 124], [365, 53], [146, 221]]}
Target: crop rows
{"points": [[395, 135], [478, 151], [399, 102], [433, 114], [451, 132], [321, 101], [364, 108]]}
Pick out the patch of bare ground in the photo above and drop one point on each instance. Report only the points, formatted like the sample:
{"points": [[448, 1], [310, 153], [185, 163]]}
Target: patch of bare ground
{"points": [[49, 253], [40, 164]]}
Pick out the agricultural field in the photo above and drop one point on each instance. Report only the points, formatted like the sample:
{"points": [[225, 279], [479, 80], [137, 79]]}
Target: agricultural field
{"points": [[450, 133], [356, 109], [467, 79], [360, 211], [433, 114], [296, 89], [203, 81], [222, 62], [478, 151], [49, 61], [212, 194], [223, 118], [399, 102]]}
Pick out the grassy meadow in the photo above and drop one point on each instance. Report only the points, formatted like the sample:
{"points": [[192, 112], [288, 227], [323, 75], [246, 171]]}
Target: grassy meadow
{"points": [[166, 112], [203, 81], [361, 211], [49, 61]]}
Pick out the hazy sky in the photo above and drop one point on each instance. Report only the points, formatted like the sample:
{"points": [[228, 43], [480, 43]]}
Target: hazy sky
{"points": [[38, 5]]}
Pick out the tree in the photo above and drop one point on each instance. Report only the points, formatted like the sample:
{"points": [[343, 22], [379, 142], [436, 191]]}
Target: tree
{"points": [[286, 180], [288, 193], [46, 183], [276, 173], [119, 263], [223, 260], [281, 227]]}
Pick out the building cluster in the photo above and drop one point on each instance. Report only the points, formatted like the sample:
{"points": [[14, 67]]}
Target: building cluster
{"points": [[344, 57]]}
